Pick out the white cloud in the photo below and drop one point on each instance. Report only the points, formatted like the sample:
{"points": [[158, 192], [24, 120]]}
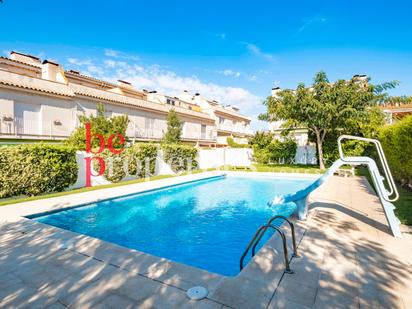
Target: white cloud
{"points": [[120, 55], [221, 36], [256, 50], [308, 22], [80, 62], [229, 72]]}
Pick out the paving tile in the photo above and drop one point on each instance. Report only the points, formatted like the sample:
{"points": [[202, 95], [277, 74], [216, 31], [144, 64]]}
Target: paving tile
{"points": [[114, 301], [279, 302], [301, 294]]}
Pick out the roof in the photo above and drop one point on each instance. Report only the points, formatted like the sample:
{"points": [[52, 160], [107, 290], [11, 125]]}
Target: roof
{"points": [[26, 55], [222, 110], [118, 98], [32, 83], [21, 62]]}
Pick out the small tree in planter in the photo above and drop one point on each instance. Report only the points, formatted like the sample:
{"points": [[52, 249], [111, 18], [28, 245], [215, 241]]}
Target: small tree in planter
{"points": [[174, 128]]}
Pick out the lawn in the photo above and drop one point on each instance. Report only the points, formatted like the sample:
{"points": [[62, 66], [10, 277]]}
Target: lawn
{"points": [[15, 200], [403, 205], [285, 168]]}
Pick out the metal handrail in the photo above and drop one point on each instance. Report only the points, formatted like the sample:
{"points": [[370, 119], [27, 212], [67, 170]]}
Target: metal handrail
{"points": [[292, 228], [285, 248], [388, 174]]}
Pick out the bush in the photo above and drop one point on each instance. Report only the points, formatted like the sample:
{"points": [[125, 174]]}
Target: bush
{"points": [[35, 169], [282, 152], [132, 161], [396, 141], [180, 157], [99, 124], [275, 152], [261, 156]]}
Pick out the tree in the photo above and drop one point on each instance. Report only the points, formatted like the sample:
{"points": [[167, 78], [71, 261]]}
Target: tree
{"points": [[326, 107], [174, 128], [99, 124]]}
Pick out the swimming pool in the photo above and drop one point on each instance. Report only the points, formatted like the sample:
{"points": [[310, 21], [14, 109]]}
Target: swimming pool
{"points": [[206, 224]]}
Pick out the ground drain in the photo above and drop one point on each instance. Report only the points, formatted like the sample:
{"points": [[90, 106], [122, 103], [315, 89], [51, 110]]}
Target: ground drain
{"points": [[197, 293]]}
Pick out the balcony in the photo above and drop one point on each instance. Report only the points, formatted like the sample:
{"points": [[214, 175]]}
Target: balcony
{"points": [[152, 133], [235, 129], [18, 127]]}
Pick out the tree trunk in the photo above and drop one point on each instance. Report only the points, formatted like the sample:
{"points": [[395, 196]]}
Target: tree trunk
{"points": [[319, 142]]}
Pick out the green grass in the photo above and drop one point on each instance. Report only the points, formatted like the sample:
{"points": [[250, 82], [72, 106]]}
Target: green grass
{"points": [[403, 205], [285, 168], [15, 200]]}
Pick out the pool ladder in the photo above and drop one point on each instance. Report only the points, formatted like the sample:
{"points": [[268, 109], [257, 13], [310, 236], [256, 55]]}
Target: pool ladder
{"points": [[259, 234]]}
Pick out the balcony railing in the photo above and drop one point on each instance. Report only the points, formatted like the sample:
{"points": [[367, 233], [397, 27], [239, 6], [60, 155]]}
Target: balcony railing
{"points": [[235, 129], [21, 127], [136, 132], [18, 126]]}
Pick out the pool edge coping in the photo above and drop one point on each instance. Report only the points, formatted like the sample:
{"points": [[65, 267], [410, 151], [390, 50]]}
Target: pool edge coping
{"points": [[255, 271]]}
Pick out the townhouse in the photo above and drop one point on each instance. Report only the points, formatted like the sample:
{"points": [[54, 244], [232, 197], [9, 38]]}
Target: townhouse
{"points": [[42, 101]]}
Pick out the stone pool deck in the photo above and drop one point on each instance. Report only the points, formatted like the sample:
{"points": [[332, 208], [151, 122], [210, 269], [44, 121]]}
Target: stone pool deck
{"points": [[347, 259]]}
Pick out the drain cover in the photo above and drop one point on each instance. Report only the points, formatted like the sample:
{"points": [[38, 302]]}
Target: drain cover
{"points": [[197, 293]]}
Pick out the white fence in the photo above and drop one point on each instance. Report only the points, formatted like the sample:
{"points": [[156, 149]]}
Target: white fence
{"points": [[207, 158], [212, 158], [306, 155]]}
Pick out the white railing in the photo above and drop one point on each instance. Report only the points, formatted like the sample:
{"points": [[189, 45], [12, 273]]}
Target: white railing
{"points": [[385, 166], [136, 132], [18, 126], [199, 135], [235, 129]]}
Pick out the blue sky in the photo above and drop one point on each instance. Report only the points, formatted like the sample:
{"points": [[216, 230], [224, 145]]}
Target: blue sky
{"points": [[232, 51]]}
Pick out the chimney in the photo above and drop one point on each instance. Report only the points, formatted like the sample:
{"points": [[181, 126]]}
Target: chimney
{"points": [[29, 59], [361, 78], [53, 71], [124, 84], [275, 91]]}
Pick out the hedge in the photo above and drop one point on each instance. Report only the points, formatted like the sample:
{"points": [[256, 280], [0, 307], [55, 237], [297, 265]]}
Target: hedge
{"points": [[396, 141], [132, 160], [36, 168], [276, 152], [180, 157]]}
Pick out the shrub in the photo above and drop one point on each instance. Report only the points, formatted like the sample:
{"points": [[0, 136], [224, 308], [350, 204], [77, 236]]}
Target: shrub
{"points": [[180, 157], [139, 160], [35, 169], [261, 156], [174, 128], [282, 152], [275, 152], [261, 139], [396, 141], [99, 124]]}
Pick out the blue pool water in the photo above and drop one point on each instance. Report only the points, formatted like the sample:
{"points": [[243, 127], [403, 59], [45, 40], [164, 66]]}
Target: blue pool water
{"points": [[206, 224]]}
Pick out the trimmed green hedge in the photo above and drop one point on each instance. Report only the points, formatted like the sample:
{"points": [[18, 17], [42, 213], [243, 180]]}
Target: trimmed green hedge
{"points": [[35, 169], [133, 159], [396, 141], [180, 157]]}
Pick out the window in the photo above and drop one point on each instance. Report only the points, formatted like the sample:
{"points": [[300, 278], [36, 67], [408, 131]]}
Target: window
{"points": [[170, 102], [221, 120], [203, 132]]}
